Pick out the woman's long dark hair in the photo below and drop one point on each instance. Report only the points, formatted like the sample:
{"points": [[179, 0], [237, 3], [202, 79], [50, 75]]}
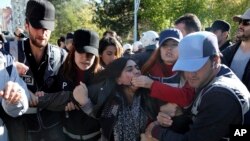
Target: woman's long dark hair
{"points": [[113, 70], [109, 75], [154, 58], [109, 41], [69, 67]]}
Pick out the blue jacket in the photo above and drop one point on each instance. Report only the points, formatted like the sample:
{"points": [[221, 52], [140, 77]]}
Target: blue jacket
{"points": [[9, 73]]}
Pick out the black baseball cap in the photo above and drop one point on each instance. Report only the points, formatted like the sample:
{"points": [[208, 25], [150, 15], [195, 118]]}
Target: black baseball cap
{"points": [[69, 35], [219, 25], [171, 33], [40, 14], [86, 41]]}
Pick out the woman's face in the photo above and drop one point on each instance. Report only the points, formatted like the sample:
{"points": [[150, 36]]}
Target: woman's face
{"points": [[130, 71], [169, 51], [108, 55], [84, 60]]}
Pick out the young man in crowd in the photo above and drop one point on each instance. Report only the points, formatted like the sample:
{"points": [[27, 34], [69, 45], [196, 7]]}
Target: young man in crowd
{"points": [[44, 61], [221, 29], [188, 23], [237, 56], [221, 98]]}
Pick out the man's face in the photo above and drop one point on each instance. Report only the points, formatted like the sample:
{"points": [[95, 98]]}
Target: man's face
{"points": [[69, 44], [220, 35], [243, 32], [181, 27], [201, 77], [39, 37]]}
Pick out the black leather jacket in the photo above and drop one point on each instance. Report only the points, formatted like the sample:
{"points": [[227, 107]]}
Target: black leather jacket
{"points": [[99, 93], [104, 93]]}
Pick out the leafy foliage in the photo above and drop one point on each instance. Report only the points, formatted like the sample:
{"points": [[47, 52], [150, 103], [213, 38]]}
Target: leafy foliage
{"points": [[160, 14], [116, 15], [72, 15], [100, 15]]}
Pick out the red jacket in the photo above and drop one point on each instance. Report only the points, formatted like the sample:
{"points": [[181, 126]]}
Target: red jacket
{"points": [[182, 96]]}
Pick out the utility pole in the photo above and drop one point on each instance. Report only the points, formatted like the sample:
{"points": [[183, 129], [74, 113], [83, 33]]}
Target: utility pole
{"points": [[136, 7]]}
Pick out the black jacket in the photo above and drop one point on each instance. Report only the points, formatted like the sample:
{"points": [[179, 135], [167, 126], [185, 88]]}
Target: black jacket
{"points": [[76, 122], [225, 45], [217, 106], [228, 55], [142, 57], [104, 95], [39, 78]]}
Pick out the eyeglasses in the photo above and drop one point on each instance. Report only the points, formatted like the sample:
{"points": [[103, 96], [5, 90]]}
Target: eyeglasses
{"points": [[244, 22]]}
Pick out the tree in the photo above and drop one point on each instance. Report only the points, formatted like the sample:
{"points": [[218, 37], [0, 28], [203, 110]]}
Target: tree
{"points": [[72, 15], [116, 15], [152, 15]]}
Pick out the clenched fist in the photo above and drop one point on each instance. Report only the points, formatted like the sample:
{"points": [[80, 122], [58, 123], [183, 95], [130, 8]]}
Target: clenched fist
{"points": [[80, 94], [11, 92]]}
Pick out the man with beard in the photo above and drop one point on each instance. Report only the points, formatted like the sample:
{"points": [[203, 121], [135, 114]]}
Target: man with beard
{"points": [[237, 56], [44, 61]]}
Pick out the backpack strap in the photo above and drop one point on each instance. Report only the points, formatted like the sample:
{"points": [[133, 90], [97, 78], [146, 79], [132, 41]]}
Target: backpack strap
{"points": [[16, 49], [8, 61]]}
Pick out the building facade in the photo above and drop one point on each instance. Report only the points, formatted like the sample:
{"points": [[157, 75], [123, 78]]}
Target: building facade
{"points": [[14, 16]]}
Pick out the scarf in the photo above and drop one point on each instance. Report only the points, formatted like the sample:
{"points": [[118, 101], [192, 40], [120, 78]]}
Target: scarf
{"points": [[131, 121]]}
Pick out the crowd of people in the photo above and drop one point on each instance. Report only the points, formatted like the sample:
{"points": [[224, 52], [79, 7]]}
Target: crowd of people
{"points": [[181, 84]]}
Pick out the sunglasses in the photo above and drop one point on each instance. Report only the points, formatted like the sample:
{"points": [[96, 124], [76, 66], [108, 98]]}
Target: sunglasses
{"points": [[20, 35], [244, 22]]}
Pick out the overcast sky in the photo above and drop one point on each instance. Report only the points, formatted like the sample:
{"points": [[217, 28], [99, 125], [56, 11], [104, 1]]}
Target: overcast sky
{"points": [[4, 3]]}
